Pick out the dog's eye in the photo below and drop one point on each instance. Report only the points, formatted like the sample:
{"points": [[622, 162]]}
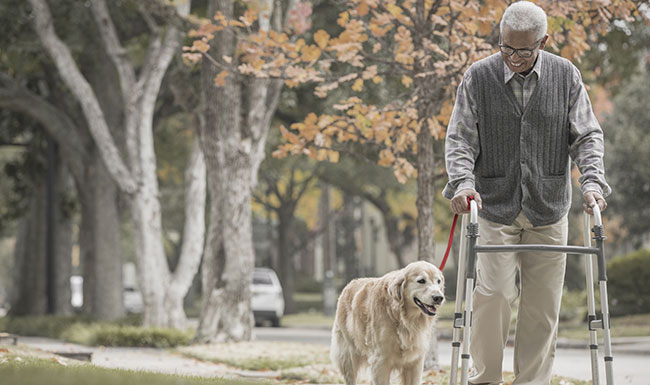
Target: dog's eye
{"points": [[439, 281], [421, 280]]}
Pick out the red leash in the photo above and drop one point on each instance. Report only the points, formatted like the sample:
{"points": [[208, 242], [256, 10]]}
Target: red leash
{"points": [[451, 235]]}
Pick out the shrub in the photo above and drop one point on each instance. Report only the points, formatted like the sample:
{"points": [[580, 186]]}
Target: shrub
{"points": [[41, 326], [307, 284], [83, 330], [574, 305], [628, 277], [115, 335], [139, 336]]}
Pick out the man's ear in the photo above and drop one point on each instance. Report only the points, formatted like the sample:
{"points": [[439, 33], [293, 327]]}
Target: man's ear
{"points": [[396, 286], [543, 43]]}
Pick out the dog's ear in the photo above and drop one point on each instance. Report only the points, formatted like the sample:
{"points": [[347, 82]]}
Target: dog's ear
{"points": [[396, 286]]}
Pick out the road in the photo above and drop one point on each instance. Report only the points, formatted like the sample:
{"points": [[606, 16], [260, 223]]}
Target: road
{"points": [[629, 368]]}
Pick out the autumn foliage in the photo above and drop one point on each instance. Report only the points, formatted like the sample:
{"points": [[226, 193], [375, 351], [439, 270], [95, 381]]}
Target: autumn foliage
{"points": [[396, 64]]}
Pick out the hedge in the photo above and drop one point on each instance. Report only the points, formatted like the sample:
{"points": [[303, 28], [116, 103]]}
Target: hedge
{"points": [[629, 283]]}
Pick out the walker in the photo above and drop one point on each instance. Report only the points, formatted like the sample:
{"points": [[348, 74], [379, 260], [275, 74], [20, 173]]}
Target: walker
{"points": [[463, 319]]}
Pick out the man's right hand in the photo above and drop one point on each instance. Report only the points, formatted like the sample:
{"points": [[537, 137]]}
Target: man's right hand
{"points": [[459, 201]]}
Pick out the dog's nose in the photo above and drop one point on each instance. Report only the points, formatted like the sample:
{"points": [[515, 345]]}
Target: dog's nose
{"points": [[437, 299]]}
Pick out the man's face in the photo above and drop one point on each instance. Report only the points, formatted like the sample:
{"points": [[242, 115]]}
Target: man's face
{"points": [[525, 40]]}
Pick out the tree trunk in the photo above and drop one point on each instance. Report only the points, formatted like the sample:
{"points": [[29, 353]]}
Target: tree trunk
{"points": [[228, 258], [234, 151], [100, 244], [347, 247], [42, 290], [285, 256], [31, 298], [426, 190], [63, 242]]}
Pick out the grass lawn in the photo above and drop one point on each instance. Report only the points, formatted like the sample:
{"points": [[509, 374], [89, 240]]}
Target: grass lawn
{"points": [[21, 370], [294, 363], [637, 325], [308, 320], [260, 355], [626, 326]]}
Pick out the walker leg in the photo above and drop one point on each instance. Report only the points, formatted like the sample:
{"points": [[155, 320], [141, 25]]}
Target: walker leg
{"points": [[609, 359], [458, 317], [464, 372], [472, 235], [599, 236], [591, 305]]}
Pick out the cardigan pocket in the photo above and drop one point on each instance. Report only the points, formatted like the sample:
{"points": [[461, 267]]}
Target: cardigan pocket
{"points": [[554, 190]]}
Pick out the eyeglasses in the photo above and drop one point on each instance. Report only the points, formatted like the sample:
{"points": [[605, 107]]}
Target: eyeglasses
{"points": [[521, 52]]}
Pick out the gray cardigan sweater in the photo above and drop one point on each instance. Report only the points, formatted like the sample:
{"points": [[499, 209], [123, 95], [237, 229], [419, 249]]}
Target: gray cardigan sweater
{"points": [[524, 154]]}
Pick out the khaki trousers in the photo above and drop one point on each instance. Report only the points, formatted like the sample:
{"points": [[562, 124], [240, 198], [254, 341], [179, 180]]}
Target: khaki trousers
{"points": [[541, 281]]}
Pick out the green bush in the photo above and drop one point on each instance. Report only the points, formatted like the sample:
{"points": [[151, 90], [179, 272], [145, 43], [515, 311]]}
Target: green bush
{"points": [[306, 302], [116, 335], [574, 305], [307, 284], [628, 277], [139, 336], [82, 330], [40, 326]]}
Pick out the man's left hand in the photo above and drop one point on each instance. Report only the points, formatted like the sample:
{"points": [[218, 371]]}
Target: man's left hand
{"points": [[593, 198]]}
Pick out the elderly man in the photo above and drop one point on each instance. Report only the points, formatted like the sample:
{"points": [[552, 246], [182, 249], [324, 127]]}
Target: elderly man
{"points": [[519, 115]]}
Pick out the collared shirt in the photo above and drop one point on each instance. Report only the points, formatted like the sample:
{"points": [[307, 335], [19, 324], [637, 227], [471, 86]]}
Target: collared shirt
{"points": [[587, 149], [523, 86]]}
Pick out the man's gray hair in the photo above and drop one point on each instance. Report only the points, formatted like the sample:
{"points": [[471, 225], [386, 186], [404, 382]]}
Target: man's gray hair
{"points": [[525, 16]]}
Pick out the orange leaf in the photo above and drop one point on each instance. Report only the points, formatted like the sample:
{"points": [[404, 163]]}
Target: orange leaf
{"points": [[220, 18], [407, 81], [192, 58], [445, 112], [358, 85], [249, 17], [394, 10], [292, 138], [310, 53], [220, 79], [362, 9], [322, 38], [201, 46], [343, 19], [386, 157]]}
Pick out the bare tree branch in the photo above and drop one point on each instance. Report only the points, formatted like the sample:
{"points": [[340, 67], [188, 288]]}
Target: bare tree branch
{"points": [[81, 89], [114, 49], [59, 125]]}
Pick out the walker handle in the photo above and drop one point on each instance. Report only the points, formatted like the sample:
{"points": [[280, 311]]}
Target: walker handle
{"points": [[473, 211], [598, 221]]}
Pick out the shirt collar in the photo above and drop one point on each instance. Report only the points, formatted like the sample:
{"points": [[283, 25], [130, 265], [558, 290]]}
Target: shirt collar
{"points": [[537, 68]]}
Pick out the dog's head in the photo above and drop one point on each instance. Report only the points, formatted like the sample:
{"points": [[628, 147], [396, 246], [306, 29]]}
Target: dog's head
{"points": [[419, 285]]}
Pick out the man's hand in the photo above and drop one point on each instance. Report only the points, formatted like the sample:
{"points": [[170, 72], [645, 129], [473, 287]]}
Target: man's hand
{"points": [[592, 198], [459, 201]]}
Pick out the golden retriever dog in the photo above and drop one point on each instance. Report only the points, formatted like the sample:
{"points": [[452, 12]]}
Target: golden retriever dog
{"points": [[387, 323]]}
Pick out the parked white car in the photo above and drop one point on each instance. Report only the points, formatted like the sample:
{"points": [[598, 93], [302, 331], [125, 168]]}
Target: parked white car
{"points": [[267, 298], [131, 296]]}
